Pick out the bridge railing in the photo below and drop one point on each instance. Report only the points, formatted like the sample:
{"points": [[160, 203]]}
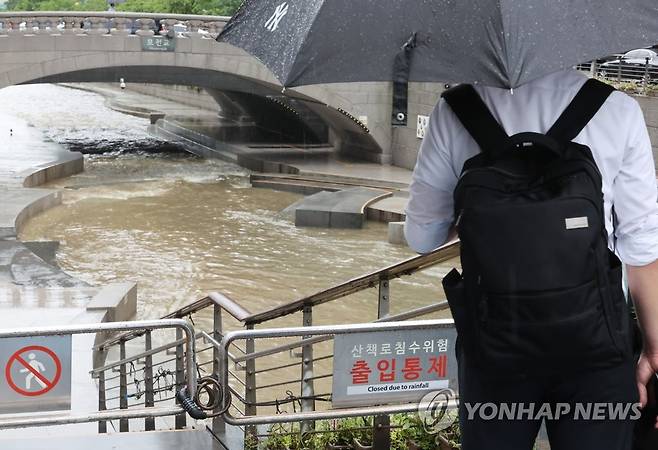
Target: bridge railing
{"points": [[114, 23]]}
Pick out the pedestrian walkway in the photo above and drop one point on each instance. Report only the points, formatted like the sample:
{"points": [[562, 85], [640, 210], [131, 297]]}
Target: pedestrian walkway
{"points": [[33, 291], [25, 156], [28, 279], [142, 105]]}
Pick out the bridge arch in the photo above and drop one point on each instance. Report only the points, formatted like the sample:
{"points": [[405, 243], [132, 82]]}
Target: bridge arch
{"points": [[51, 48]]}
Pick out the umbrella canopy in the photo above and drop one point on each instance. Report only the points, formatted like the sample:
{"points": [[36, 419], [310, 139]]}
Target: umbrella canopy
{"points": [[502, 43]]}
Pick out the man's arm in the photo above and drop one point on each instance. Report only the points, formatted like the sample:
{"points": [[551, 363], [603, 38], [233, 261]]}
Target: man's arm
{"points": [[643, 286], [635, 197], [429, 212]]}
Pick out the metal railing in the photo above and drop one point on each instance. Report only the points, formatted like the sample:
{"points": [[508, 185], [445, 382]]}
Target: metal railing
{"points": [[330, 332], [281, 375], [188, 380], [621, 71], [113, 23], [111, 15], [379, 278]]}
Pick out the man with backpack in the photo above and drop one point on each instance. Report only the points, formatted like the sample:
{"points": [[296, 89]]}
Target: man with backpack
{"points": [[551, 187]]}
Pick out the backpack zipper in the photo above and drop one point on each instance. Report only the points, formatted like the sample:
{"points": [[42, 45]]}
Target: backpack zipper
{"points": [[459, 218]]}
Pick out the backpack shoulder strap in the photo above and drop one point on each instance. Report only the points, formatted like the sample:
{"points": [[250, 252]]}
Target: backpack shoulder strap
{"points": [[475, 117], [581, 110]]}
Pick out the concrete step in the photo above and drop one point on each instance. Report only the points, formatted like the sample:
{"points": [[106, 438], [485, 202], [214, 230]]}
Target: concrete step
{"points": [[361, 181], [19, 266], [298, 187], [327, 179], [193, 146], [340, 209], [389, 209]]}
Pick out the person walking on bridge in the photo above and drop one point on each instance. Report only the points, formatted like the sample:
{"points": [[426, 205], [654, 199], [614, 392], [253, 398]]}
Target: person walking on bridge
{"points": [[544, 218]]}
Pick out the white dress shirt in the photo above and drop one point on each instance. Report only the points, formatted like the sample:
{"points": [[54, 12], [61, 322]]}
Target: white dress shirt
{"points": [[617, 136]]}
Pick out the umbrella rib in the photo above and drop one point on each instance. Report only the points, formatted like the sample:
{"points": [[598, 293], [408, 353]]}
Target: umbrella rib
{"points": [[505, 50]]}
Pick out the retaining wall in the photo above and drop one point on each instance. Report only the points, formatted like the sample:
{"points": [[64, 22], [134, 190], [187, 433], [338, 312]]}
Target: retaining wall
{"points": [[404, 144], [423, 97], [186, 95]]}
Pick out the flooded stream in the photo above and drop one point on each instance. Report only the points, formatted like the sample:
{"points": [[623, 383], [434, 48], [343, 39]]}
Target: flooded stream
{"points": [[181, 226]]}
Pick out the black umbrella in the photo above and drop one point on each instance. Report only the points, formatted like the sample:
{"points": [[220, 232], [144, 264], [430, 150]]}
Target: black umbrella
{"points": [[502, 43]]}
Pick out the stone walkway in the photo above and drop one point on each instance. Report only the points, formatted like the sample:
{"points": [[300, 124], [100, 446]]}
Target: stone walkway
{"points": [[27, 159], [34, 292]]}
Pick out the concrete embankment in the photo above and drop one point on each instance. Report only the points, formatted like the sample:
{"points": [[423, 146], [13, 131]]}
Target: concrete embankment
{"points": [[34, 292], [28, 159]]}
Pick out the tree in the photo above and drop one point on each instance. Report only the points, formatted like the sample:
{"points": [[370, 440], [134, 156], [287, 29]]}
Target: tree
{"points": [[207, 7], [184, 7], [222, 7]]}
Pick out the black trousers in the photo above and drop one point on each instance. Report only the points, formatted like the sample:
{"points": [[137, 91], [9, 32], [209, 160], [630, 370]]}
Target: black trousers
{"points": [[498, 392]]}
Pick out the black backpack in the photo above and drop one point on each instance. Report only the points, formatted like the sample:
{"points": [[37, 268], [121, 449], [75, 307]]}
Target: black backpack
{"points": [[540, 289]]}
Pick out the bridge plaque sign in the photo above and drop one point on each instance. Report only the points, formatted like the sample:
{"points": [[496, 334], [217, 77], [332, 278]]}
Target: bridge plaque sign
{"points": [[158, 44], [36, 374], [383, 367]]}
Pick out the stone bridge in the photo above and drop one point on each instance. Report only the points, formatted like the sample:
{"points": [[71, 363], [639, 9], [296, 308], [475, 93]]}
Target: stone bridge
{"points": [[53, 47]]}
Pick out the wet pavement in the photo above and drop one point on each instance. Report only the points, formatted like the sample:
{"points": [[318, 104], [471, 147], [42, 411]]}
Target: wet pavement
{"points": [[26, 157], [33, 291]]}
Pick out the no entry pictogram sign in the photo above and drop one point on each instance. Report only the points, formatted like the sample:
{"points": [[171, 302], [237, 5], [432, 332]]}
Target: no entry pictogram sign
{"points": [[36, 374], [32, 359]]}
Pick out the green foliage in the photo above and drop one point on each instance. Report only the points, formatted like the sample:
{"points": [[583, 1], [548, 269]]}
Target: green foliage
{"points": [[205, 7], [412, 431], [56, 5], [407, 432], [637, 88], [634, 87]]}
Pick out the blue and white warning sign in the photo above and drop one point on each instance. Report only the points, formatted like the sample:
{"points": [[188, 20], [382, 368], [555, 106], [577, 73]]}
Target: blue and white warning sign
{"points": [[36, 374]]}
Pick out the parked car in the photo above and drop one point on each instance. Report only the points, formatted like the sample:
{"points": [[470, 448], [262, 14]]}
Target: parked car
{"points": [[586, 66], [181, 29], [633, 65]]}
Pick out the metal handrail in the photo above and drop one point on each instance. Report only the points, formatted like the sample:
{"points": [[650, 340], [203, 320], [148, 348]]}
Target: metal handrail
{"points": [[315, 340], [330, 330], [194, 307], [190, 381], [236, 310], [190, 340], [151, 352], [406, 267], [334, 414], [223, 303], [86, 418], [241, 314]]}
